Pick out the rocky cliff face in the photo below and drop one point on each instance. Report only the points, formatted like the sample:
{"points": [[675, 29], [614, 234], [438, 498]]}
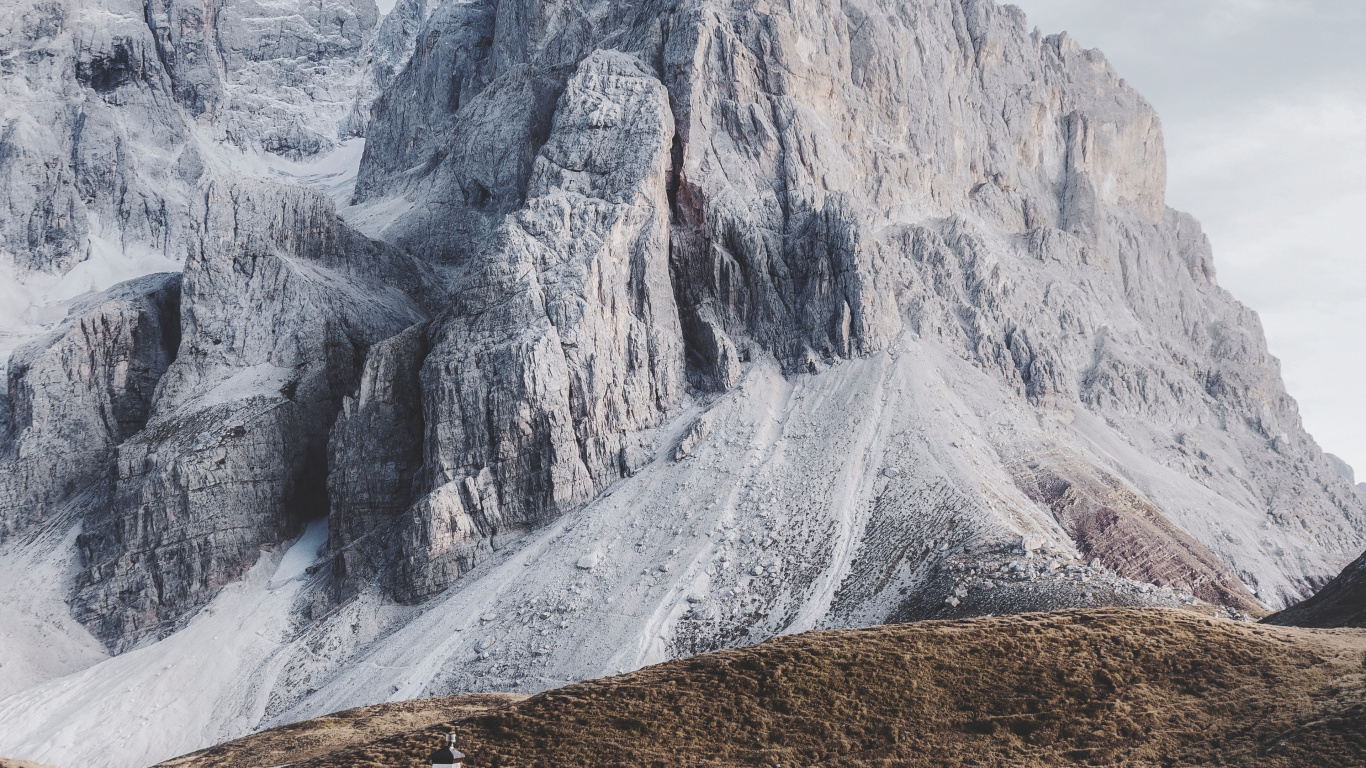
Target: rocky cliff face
{"points": [[650, 328], [279, 302], [275, 76], [78, 392], [988, 191]]}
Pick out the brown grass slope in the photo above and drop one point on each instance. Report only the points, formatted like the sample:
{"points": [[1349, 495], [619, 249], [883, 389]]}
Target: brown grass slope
{"points": [[6, 762], [1341, 602], [1098, 687], [339, 731]]}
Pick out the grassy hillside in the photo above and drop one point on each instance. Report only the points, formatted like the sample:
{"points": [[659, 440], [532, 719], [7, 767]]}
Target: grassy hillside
{"points": [[1098, 687], [339, 731]]}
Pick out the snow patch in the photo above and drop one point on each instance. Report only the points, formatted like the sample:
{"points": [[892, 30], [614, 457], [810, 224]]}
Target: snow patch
{"points": [[305, 551], [256, 381], [31, 303], [333, 173], [373, 218]]}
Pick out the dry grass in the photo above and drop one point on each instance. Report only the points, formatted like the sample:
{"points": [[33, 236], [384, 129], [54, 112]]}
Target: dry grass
{"points": [[1098, 687], [342, 730], [6, 762]]}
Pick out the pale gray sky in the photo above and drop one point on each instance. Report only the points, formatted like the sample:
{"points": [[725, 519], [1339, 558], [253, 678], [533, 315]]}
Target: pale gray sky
{"points": [[1263, 103]]}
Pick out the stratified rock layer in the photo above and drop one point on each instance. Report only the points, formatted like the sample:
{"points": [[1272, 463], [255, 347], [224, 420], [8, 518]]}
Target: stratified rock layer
{"points": [[77, 393]]}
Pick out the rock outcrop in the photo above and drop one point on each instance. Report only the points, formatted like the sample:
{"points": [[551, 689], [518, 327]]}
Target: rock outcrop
{"points": [[273, 76], [563, 348], [117, 112], [280, 302], [91, 142], [988, 191], [77, 393]]}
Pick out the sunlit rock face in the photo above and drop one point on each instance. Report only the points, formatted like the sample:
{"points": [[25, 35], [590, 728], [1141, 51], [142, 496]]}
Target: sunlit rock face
{"points": [[632, 330], [843, 182]]}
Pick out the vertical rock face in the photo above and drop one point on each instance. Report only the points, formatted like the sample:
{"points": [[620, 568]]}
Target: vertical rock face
{"points": [[281, 301], [116, 112], [448, 67], [386, 54], [804, 149], [45, 223], [79, 392], [563, 348], [375, 458], [273, 76], [90, 142]]}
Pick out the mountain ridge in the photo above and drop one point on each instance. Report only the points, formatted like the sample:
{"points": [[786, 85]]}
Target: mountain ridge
{"points": [[1340, 603]]}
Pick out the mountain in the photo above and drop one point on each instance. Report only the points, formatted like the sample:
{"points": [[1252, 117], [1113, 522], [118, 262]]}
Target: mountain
{"points": [[1105, 687], [502, 344], [1341, 603]]}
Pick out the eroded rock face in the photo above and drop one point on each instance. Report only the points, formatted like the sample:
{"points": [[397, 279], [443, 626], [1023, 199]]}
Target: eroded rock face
{"points": [[563, 348], [278, 77], [117, 112], [448, 67], [376, 458], [77, 393], [91, 143], [1116, 526], [281, 300]]}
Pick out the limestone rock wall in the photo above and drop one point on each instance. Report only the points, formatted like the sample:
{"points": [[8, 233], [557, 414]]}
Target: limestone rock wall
{"points": [[80, 391], [844, 179], [278, 77], [562, 350], [91, 141], [375, 458], [280, 303]]}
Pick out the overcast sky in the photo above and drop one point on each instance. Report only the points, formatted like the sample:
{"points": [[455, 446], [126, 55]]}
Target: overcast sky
{"points": [[1263, 103]]}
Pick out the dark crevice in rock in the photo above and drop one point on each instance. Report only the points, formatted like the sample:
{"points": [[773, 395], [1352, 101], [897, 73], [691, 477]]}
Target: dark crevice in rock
{"points": [[111, 71]]}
